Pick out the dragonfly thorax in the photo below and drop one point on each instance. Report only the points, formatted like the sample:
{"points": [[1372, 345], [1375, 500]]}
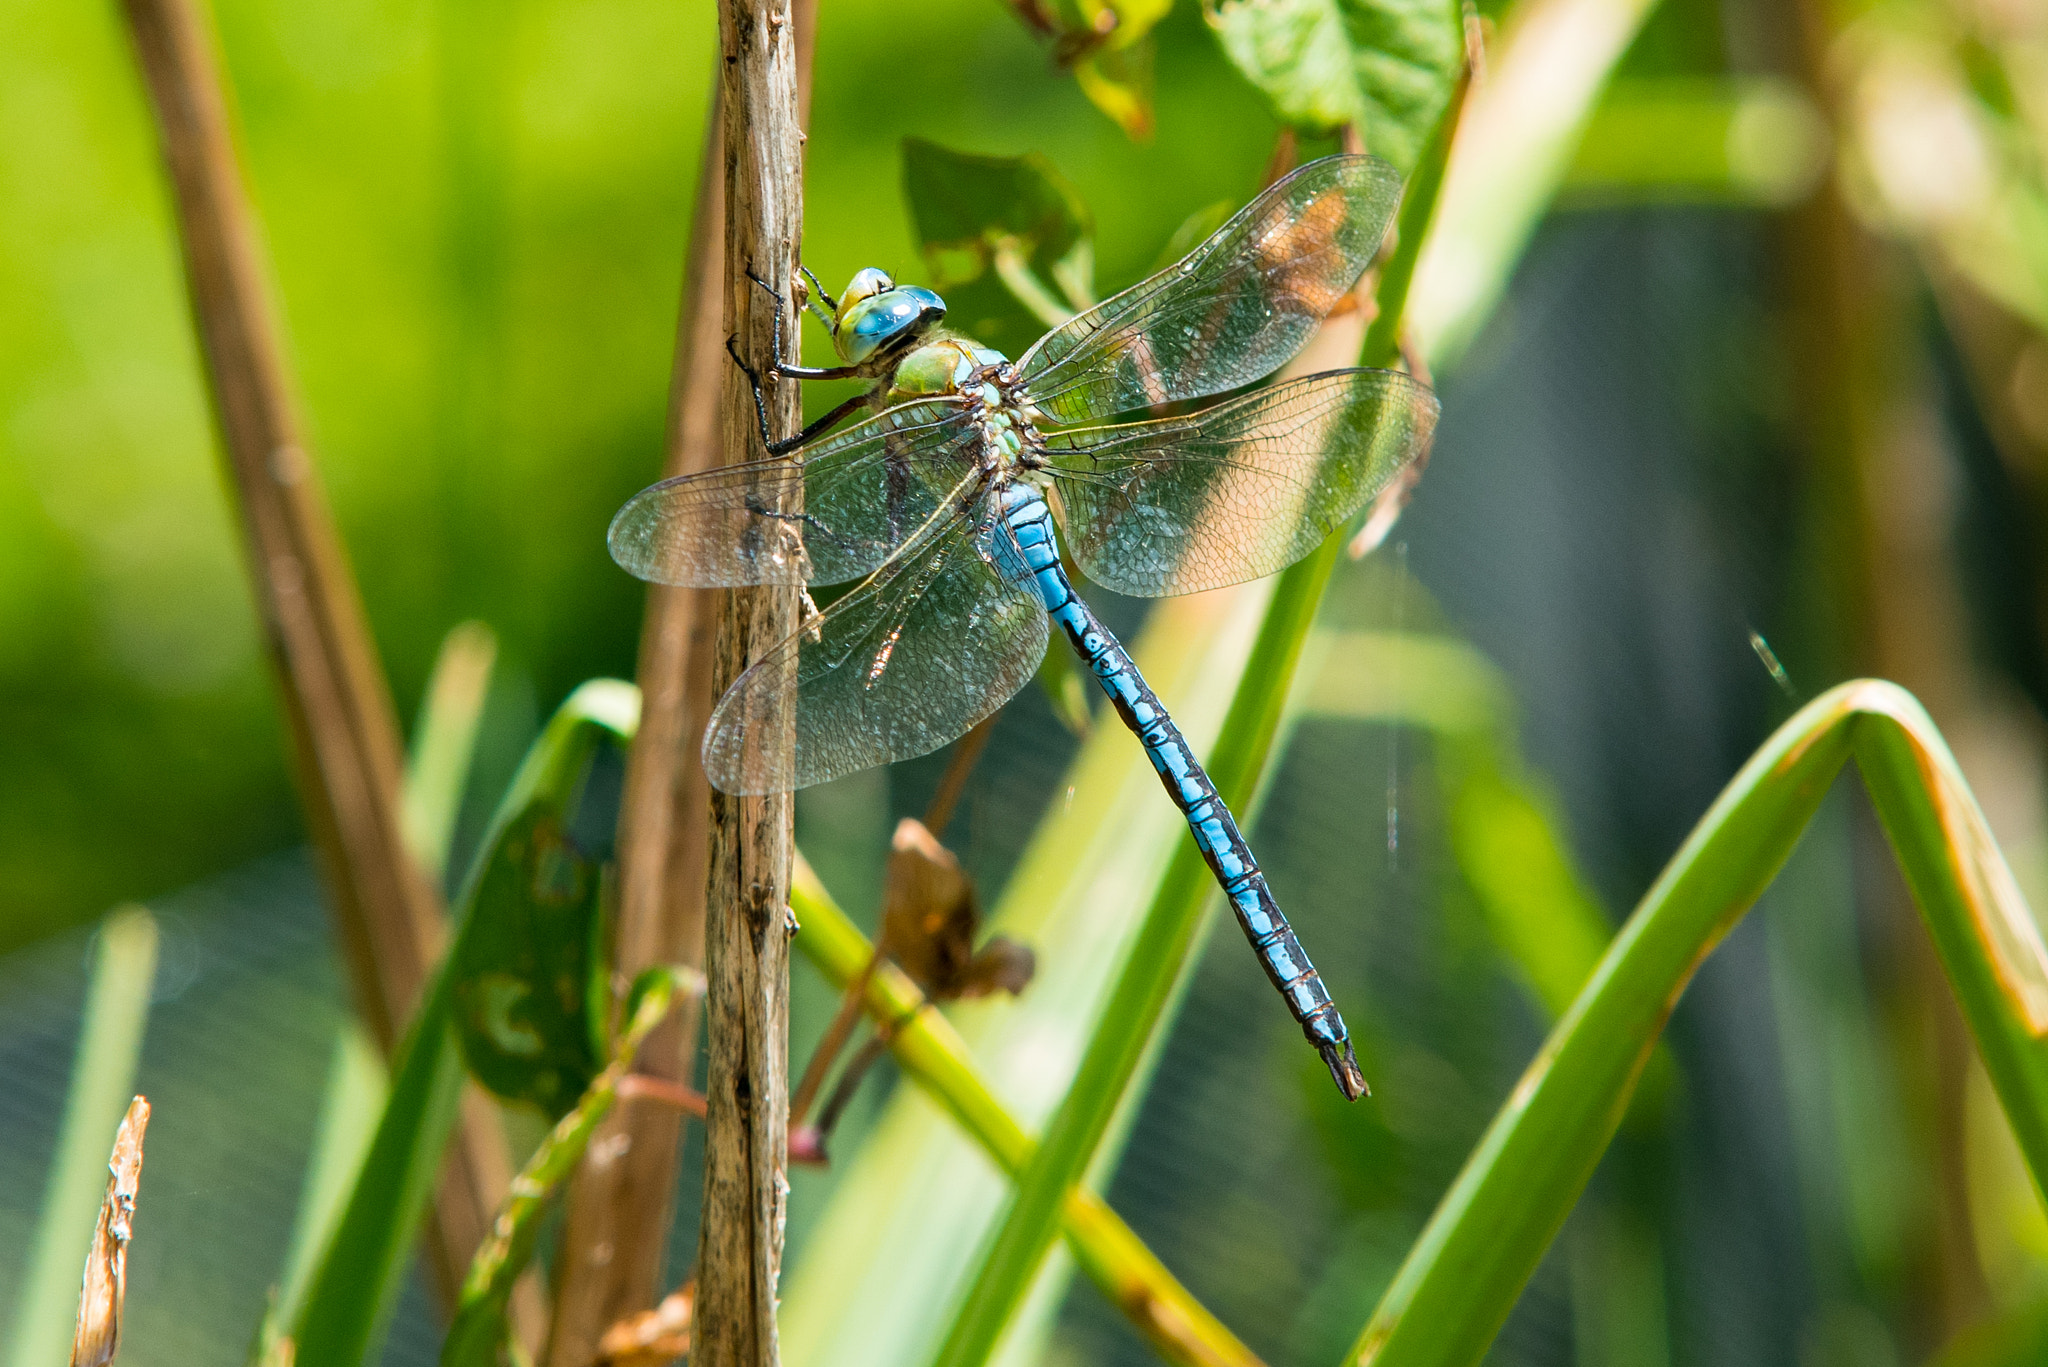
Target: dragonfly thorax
{"points": [[987, 380]]}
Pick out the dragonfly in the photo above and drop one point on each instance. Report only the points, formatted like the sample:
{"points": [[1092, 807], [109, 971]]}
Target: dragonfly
{"points": [[946, 507]]}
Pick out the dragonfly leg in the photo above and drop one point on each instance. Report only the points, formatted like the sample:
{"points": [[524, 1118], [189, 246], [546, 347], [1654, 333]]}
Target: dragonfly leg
{"points": [[732, 349], [784, 447], [768, 441], [784, 368], [818, 292]]}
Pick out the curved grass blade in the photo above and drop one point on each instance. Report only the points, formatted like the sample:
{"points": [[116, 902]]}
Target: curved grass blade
{"points": [[350, 1299], [938, 1060], [1466, 1271]]}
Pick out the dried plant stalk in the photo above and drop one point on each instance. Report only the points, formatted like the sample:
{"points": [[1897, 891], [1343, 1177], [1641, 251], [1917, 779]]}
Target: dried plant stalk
{"points": [[746, 925], [388, 917]]}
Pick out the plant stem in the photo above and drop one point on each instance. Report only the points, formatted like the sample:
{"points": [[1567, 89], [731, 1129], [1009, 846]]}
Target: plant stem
{"points": [[746, 931], [388, 918], [939, 1061], [938, 814], [620, 1204]]}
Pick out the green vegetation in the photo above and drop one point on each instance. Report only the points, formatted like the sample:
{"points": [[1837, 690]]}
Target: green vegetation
{"points": [[475, 218]]}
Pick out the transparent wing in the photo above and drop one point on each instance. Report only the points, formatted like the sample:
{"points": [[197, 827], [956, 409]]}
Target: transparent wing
{"points": [[832, 512], [1233, 310], [933, 642], [1238, 491]]}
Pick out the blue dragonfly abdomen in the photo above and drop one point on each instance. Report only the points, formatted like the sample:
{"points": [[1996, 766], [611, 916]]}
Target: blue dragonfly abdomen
{"points": [[1029, 521]]}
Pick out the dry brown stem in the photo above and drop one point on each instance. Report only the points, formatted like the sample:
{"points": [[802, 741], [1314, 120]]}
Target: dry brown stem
{"points": [[621, 1203], [746, 928], [344, 735]]}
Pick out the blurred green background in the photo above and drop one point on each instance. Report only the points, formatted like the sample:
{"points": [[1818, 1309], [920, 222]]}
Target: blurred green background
{"points": [[476, 215], [1773, 371]]}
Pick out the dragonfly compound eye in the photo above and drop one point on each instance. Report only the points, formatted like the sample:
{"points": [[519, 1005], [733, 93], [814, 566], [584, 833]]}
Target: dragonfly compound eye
{"points": [[886, 322], [866, 284]]}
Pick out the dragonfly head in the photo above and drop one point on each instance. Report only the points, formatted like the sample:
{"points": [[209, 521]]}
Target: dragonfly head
{"points": [[877, 315]]}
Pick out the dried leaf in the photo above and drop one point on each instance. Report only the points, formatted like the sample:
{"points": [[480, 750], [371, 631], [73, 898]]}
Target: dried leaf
{"points": [[651, 1338], [106, 1266], [930, 917]]}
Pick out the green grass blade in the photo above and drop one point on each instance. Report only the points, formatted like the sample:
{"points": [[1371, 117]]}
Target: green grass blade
{"points": [[444, 745], [102, 1083], [436, 775], [1465, 1273], [934, 1056], [351, 1296], [357, 1089], [349, 1300]]}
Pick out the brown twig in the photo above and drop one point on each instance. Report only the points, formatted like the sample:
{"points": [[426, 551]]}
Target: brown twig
{"points": [[664, 1091], [617, 1228], [105, 1288], [746, 924], [388, 918], [959, 767], [834, 1039]]}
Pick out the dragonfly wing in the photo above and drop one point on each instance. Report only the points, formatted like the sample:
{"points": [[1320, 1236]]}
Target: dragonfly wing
{"points": [[1238, 491], [930, 644], [832, 512], [1233, 310]]}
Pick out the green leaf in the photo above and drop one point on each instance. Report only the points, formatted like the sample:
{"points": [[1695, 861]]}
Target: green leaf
{"points": [[1107, 44], [365, 1261], [523, 968], [1118, 81], [479, 1328], [1386, 66], [1007, 239]]}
